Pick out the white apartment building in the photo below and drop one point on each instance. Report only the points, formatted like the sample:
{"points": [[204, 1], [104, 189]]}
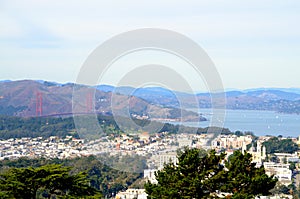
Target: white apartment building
{"points": [[132, 194], [231, 141], [166, 158], [280, 171], [288, 157], [149, 174]]}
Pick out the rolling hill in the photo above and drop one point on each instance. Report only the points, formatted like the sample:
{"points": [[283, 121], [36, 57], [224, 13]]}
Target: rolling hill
{"points": [[20, 98], [281, 100]]}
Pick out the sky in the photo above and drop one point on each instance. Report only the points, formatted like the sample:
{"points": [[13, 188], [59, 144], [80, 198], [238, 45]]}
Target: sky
{"points": [[252, 43]]}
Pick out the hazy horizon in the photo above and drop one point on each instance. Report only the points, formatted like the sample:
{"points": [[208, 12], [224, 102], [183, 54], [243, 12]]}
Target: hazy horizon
{"points": [[252, 43], [297, 89]]}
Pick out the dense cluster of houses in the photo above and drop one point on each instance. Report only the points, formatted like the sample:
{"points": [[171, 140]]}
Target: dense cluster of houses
{"points": [[161, 147]]}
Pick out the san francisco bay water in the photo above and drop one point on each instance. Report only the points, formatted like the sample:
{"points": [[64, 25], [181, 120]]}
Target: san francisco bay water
{"points": [[258, 122]]}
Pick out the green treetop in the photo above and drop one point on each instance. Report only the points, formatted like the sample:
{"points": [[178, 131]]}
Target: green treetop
{"points": [[202, 175], [52, 180]]}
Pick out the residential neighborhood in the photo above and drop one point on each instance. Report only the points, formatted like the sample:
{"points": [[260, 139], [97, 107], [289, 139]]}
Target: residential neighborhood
{"points": [[160, 148]]}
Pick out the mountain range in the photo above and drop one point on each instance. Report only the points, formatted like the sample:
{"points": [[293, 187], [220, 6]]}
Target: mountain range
{"points": [[41, 98], [20, 98], [286, 100]]}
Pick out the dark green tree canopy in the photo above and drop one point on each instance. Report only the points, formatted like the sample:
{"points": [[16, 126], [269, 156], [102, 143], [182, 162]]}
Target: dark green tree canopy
{"points": [[244, 179], [192, 177], [202, 175], [276, 145], [100, 176], [54, 180]]}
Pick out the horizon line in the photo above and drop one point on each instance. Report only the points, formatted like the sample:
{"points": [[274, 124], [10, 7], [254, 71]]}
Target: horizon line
{"points": [[131, 86]]}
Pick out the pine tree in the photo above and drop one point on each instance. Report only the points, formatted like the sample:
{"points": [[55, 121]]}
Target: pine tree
{"points": [[23, 183], [195, 176], [245, 179], [202, 175]]}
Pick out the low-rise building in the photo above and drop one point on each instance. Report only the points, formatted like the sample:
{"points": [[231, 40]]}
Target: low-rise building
{"points": [[149, 174], [132, 194], [231, 141], [280, 171]]}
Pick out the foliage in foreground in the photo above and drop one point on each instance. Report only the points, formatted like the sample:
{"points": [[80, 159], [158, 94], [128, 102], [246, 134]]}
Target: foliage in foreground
{"points": [[100, 176], [52, 180], [200, 175]]}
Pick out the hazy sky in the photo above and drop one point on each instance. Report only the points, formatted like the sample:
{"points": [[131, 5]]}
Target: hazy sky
{"points": [[252, 43]]}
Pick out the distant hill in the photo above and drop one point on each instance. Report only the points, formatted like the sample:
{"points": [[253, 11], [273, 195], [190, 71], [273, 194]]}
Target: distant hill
{"points": [[273, 100], [285, 100], [288, 90], [274, 95], [5, 80], [19, 98]]}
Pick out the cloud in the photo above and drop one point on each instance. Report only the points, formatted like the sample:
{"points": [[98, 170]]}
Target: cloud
{"points": [[234, 33]]}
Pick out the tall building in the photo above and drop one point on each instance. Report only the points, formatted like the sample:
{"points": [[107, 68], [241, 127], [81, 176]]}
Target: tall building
{"points": [[259, 153]]}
